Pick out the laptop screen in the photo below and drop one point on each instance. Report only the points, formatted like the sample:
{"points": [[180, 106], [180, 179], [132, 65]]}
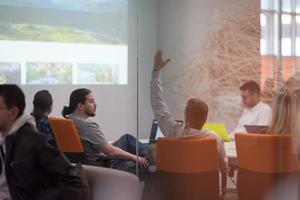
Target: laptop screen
{"points": [[256, 129], [155, 132]]}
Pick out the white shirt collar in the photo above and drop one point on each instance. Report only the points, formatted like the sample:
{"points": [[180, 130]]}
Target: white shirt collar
{"points": [[25, 118]]}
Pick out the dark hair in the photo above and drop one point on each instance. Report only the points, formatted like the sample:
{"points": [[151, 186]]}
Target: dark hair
{"points": [[13, 96], [77, 96], [42, 103], [251, 86], [196, 112]]}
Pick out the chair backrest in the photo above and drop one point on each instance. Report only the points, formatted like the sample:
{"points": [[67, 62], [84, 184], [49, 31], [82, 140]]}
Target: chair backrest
{"points": [[266, 153], [187, 155], [66, 135]]}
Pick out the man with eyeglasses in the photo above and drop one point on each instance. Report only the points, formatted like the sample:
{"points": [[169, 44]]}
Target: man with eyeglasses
{"points": [[255, 112]]}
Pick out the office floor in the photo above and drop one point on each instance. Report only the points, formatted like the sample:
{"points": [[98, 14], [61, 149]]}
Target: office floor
{"points": [[231, 196], [231, 193]]}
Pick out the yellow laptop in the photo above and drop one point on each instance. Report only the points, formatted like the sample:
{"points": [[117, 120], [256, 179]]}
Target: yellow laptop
{"points": [[219, 129]]}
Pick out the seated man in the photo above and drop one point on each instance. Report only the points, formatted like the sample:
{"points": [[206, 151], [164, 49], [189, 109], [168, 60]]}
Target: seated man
{"points": [[195, 114], [81, 107], [255, 112], [30, 167]]}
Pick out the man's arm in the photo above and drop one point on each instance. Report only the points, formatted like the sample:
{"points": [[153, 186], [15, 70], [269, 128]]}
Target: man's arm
{"points": [[96, 137], [111, 150], [160, 109]]}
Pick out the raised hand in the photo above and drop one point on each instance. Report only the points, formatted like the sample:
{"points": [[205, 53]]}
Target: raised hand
{"points": [[159, 63]]}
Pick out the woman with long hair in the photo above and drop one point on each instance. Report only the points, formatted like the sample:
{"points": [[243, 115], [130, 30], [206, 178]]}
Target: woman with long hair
{"points": [[42, 107], [285, 113]]}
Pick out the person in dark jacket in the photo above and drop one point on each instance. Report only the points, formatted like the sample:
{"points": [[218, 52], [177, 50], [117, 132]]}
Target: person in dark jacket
{"points": [[30, 166]]}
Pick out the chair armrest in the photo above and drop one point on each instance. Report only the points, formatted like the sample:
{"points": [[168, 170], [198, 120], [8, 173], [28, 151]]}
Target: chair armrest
{"points": [[112, 184]]}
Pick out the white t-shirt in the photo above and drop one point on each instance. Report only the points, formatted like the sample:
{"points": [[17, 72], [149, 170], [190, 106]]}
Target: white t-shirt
{"points": [[261, 114]]}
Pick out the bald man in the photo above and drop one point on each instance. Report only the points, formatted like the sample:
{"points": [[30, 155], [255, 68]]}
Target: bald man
{"points": [[196, 112]]}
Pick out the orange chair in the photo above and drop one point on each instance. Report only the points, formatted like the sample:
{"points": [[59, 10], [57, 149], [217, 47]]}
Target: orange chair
{"points": [[69, 142], [188, 168], [265, 161], [67, 138]]}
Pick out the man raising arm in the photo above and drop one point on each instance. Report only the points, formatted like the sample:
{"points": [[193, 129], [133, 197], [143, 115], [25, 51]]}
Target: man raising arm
{"points": [[195, 114]]}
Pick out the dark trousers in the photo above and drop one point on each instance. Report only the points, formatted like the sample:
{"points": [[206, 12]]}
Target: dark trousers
{"points": [[130, 144]]}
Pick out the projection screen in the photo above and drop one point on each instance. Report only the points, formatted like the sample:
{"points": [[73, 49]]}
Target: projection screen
{"points": [[50, 42]]}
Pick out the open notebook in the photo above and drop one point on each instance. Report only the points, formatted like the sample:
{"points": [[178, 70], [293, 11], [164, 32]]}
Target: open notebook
{"points": [[218, 128]]}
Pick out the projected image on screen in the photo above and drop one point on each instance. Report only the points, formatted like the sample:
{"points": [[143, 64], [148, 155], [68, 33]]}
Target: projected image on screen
{"points": [[65, 31], [10, 73], [48, 73], [97, 74]]}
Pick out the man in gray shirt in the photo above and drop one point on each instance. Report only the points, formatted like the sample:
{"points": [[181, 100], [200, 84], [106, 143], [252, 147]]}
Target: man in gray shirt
{"points": [[81, 107]]}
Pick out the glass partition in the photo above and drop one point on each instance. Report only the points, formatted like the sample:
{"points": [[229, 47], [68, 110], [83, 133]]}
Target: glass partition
{"points": [[214, 47], [64, 45]]}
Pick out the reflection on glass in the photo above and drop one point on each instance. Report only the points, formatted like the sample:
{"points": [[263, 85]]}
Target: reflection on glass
{"points": [[263, 19], [286, 6], [263, 47], [275, 5], [286, 46], [276, 34], [297, 19], [265, 4], [297, 6], [298, 46], [9, 73], [286, 19]]}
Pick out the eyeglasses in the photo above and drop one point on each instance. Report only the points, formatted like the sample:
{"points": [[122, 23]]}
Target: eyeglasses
{"points": [[246, 96]]}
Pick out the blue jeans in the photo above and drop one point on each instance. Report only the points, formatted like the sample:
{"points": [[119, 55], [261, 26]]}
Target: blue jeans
{"points": [[128, 143]]}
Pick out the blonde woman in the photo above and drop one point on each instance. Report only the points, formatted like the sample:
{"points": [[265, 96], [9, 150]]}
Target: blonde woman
{"points": [[284, 121], [285, 113]]}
